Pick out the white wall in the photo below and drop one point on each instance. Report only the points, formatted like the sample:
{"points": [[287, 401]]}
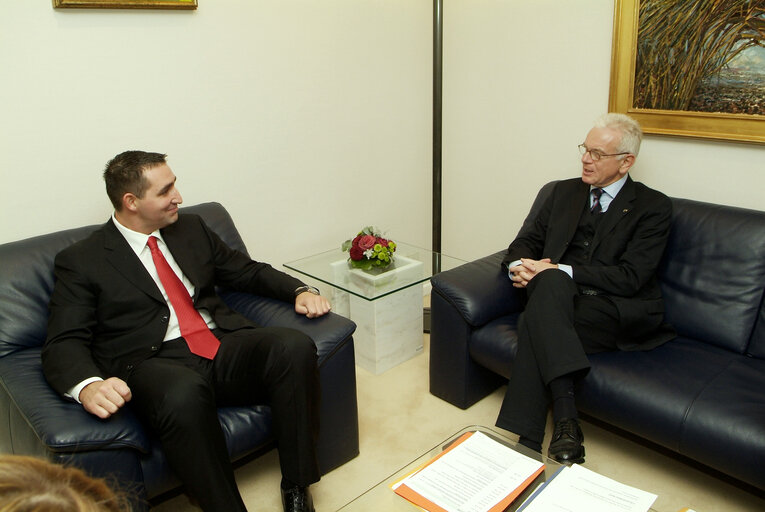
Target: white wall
{"points": [[523, 82], [307, 119]]}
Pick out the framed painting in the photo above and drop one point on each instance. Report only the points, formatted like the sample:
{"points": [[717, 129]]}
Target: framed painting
{"points": [[126, 4], [693, 68]]}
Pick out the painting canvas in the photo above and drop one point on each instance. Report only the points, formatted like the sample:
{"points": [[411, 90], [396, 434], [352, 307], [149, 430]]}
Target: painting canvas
{"points": [[691, 67]]}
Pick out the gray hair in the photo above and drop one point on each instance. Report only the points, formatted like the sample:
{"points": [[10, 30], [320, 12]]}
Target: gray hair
{"points": [[629, 128]]}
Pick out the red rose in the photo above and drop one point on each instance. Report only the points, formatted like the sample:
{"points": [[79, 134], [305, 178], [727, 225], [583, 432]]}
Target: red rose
{"points": [[382, 242], [356, 253], [367, 242]]}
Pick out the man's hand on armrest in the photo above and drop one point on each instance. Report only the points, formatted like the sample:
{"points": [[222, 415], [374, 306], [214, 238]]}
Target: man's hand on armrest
{"points": [[311, 305], [105, 397]]}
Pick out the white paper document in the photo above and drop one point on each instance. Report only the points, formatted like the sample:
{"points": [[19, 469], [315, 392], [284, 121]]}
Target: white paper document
{"points": [[576, 489], [477, 474]]}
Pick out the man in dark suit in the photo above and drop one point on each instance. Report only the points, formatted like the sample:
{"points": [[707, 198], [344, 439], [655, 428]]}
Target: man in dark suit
{"points": [[588, 264], [134, 317]]}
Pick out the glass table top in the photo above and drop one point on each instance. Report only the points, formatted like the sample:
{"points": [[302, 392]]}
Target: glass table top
{"points": [[381, 497], [412, 265]]}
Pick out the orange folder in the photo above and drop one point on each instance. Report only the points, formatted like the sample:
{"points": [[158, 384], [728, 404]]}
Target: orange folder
{"points": [[406, 492]]}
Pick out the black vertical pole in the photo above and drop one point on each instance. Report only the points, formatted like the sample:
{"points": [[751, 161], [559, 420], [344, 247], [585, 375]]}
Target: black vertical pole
{"points": [[438, 39]]}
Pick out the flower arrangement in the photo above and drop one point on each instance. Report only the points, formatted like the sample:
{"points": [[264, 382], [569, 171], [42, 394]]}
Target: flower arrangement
{"points": [[369, 250]]}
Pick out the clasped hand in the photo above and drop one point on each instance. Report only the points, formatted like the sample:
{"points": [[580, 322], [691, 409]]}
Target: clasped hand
{"points": [[521, 274]]}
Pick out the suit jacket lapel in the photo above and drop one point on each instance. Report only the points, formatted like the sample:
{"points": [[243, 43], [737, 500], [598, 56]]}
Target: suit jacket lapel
{"points": [[123, 259], [619, 208]]}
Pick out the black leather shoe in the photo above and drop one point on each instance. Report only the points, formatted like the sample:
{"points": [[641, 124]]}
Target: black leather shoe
{"points": [[297, 499], [566, 443]]}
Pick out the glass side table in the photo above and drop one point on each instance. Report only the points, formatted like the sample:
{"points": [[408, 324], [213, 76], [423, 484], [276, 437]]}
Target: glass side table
{"points": [[386, 305]]}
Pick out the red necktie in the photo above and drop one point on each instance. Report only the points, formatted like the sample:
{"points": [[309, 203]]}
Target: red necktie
{"points": [[198, 336]]}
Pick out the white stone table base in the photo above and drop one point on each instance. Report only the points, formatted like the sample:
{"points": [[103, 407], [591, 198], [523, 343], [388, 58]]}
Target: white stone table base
{"points": [[389, 328]]}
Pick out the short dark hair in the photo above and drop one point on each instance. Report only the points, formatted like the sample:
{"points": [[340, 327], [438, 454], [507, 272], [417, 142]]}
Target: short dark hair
{"points": [[124, 173]]}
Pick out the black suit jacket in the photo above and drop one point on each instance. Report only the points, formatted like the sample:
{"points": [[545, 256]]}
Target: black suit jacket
{"points": [[107, 314], [624, 254]]}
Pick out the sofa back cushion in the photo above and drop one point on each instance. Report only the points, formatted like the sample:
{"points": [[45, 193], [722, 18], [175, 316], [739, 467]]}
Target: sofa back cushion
{"points": [[26, 282], [713, 272], [219, 220], [26, 276]]}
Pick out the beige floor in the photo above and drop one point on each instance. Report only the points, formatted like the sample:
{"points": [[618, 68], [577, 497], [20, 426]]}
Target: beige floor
{"points": [[400, 420]]}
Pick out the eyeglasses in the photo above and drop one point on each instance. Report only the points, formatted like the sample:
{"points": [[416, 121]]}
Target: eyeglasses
{"points": [[595, 154]]}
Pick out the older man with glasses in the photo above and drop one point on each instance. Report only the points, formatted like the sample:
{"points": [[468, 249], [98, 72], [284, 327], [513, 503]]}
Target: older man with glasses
{"points": [[588, 265]]}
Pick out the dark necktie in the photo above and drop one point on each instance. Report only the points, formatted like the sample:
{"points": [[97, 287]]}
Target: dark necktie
{"points": [[596, 193], [200, 339]]}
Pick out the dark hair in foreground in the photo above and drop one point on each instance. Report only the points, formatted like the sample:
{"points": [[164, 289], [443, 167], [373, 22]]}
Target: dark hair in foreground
{"points": [[124, 173], [30, 484]]}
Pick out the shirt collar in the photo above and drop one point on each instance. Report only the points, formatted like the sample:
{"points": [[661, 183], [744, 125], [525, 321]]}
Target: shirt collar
{"points": [[614, 187], [136, 240]]}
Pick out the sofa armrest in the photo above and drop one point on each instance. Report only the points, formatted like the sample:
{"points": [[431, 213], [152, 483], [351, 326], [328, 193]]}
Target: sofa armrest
{"points": [[55, 424], [338, 439], [329, 332], [479, 290], [463, 300]]}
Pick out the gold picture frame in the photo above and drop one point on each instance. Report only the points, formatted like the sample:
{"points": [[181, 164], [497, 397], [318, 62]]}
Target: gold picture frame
{"points": [[667, 121], [126, 4]]}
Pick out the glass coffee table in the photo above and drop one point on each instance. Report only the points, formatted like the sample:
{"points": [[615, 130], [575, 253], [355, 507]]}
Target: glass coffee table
{"points": [[386, 305], [381, 497]]}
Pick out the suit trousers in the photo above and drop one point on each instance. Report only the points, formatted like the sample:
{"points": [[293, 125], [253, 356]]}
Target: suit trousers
{"points": [[556, 331], [177, 393]]}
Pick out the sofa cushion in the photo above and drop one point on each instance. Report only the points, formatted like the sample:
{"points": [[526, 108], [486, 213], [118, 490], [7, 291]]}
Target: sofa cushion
{"points": [[713, 272], [650, 393], [246, 429], [728, 417]]}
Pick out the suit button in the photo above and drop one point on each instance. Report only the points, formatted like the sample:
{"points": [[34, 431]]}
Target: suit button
{"points": [[165, 319], [154, 348], [586, 244], [129, 367]]}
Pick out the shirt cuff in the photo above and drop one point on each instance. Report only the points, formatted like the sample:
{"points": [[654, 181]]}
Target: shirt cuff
{"points": [[568, 269], [74, 393], [511, 265]]}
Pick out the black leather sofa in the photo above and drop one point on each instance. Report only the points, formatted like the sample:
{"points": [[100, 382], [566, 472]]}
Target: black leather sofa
{"points": [[701, 395], [35, 420]]}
